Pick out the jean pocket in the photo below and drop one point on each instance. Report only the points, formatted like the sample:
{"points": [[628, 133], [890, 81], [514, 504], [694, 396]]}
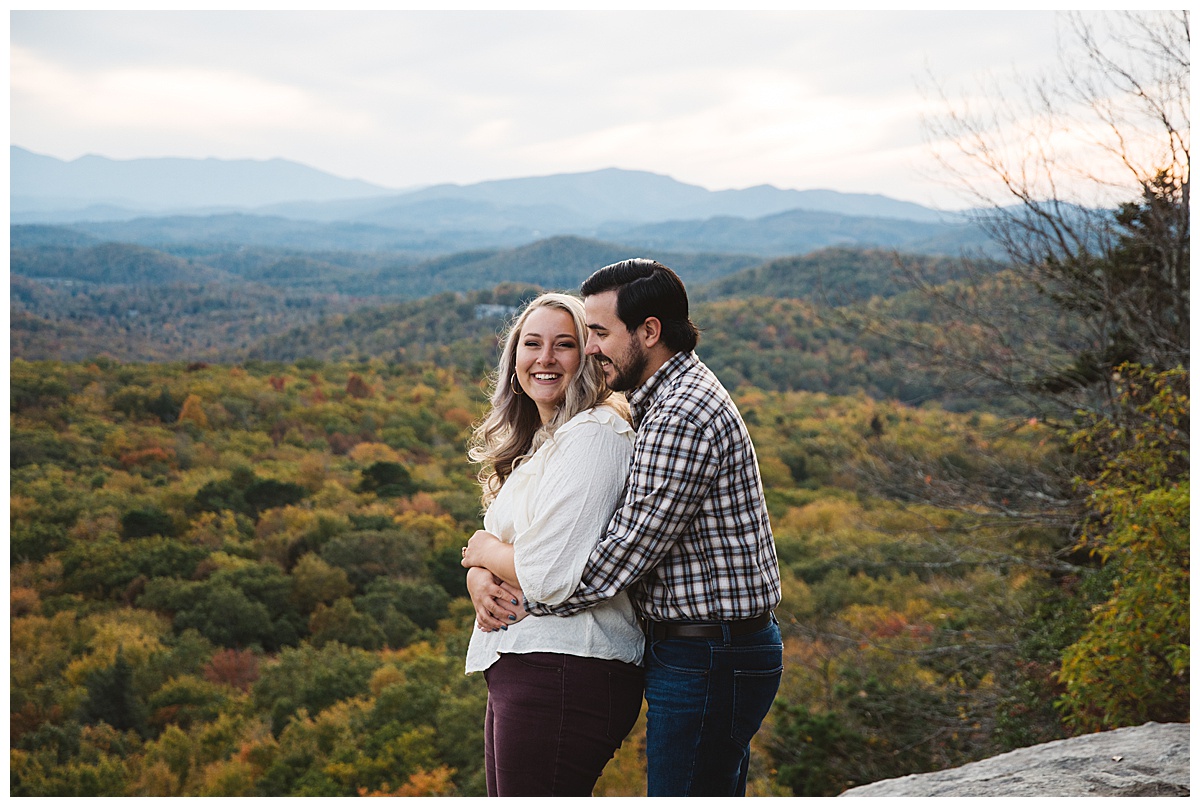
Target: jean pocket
{"points": [[685, 656], [549, 662], [754, 691]]}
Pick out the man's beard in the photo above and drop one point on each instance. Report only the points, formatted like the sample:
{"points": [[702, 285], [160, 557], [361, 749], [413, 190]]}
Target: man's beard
{"points": [[630, 375]]}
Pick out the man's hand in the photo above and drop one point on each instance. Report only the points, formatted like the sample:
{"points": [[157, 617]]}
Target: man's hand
{"points": [[497, 604]]}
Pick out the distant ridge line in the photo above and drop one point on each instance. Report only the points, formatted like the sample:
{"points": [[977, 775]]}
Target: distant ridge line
{"points": [[54, 188]]}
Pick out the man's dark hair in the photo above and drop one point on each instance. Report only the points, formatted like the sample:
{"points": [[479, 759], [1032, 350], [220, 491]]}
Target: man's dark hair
{"points": [[646, 288]]}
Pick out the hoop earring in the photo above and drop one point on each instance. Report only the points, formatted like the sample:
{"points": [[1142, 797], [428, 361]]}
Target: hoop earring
{"points": [[512, 383]]}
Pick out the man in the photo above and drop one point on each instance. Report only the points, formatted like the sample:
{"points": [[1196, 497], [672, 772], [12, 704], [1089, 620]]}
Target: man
{"points": [[692, 541]]}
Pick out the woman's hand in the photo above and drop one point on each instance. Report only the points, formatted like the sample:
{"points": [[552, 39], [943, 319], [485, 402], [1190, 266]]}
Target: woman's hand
{"points": [[488, 551], [497, 604], [480, 548]]}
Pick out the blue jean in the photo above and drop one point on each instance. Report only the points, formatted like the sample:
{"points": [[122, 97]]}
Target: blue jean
{"points": [[705, 699]]}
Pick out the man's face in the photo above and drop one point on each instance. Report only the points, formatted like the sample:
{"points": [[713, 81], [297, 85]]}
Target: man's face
{"points": [[622, 357]]}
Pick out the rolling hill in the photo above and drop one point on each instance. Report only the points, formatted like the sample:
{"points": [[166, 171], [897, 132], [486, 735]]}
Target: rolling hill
{"points": [[557, 262], [109, 263], [562, 262], [76, 298], [836, 275], [442, 227]]}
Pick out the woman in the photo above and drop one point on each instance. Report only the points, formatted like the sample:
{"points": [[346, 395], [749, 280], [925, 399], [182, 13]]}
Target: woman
{"points": [[562, 691]]}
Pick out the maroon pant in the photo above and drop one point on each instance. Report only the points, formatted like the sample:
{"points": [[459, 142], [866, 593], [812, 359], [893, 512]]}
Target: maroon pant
{"points": [[554, 721]]}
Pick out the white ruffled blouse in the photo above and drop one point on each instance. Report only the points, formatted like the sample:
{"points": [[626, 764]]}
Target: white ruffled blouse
{"points": [[554, 508]]}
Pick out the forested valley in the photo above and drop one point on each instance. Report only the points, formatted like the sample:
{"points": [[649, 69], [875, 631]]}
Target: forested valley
{"points": [[238, 491], [238, 580]]}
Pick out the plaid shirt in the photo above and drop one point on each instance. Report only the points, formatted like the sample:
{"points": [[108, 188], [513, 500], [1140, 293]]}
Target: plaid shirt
{"points": [[692, 540]]}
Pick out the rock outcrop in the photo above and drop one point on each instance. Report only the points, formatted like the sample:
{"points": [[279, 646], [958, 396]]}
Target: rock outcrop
{"points": [[1148, 760]]}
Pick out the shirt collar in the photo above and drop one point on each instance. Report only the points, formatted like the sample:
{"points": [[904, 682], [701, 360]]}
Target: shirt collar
{"points": [[642, 398]]}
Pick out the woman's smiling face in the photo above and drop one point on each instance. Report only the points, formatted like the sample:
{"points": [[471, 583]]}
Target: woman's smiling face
{"points": [[548, 357]]}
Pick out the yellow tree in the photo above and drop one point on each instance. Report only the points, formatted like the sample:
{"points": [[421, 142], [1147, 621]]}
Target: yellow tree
{"points": [[193, 412]]}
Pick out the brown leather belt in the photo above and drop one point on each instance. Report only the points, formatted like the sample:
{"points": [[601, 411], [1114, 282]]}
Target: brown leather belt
{"points": [[706, 630]]}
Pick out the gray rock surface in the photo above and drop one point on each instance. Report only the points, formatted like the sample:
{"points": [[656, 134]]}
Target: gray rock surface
{"points": [[1148, 760]]}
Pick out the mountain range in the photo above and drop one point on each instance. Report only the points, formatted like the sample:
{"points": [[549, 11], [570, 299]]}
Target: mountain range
{"points": [[277, 203], [51, 187], [149, 260], [45, 185]]}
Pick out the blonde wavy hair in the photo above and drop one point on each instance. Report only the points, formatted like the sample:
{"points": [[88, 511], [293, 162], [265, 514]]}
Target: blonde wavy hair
{"points": [[512, 429]]}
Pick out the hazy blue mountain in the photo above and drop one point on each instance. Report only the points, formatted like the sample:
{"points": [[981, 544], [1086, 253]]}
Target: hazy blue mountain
{"points": [[763, 200], [167, 183], [445, 226], [30, 236], [587, 203], [44, 189], [615, 195], [44, 210], [441, 214], [245, 229], [277, 204], [598, 196], [798, 231]]}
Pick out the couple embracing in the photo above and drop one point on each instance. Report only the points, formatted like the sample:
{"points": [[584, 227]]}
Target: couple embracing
{"points": [[626, 547]]}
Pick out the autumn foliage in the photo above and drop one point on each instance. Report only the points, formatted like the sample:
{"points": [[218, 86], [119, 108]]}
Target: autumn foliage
{"points": [[249, 611]]}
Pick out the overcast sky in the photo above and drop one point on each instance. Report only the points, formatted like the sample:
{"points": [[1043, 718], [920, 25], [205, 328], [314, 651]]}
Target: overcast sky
{"points": [[718, 99]]}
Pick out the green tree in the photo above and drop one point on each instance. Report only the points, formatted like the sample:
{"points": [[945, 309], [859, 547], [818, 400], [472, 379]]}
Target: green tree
{"points": [[225, 494], [165, 407], [814, 753], [387, 479], [312, 679], [263, 494], [367, 554], [1132, 662], [340, 622], [35, 447], [245, 492], [1098, 234], [421, 602], [109, 566], [445, 568], [111, 698], [225, 616], [184, 701], [314, 582], [146, 521]]}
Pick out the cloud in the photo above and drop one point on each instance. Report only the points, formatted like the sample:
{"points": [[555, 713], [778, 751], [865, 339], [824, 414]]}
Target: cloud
{"points": [[721, 99], [186, 104]]}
